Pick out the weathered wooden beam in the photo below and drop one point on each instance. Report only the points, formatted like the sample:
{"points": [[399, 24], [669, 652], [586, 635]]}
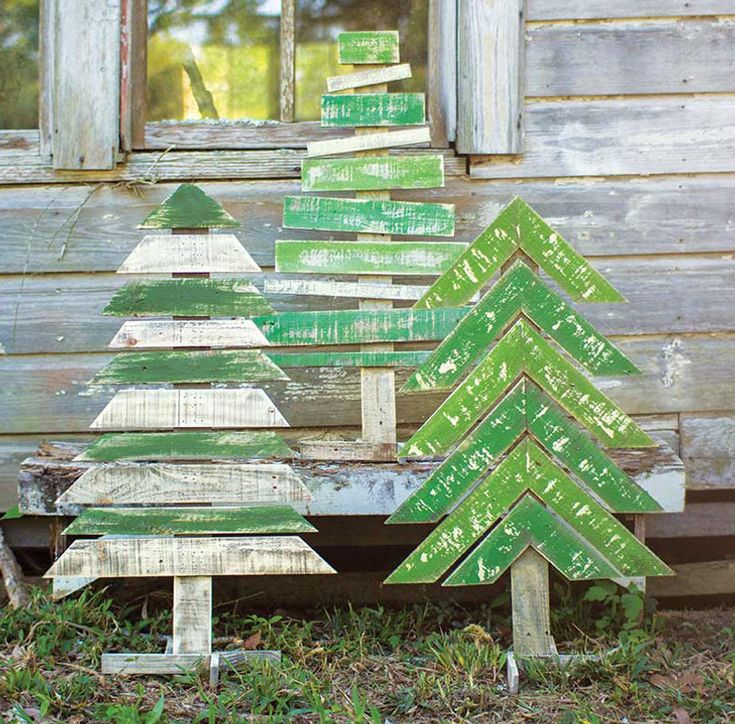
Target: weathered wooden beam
{"points": [[371, 76], [373, 109], [338, 289], [367, 142], [369, 47], [160, 664]]}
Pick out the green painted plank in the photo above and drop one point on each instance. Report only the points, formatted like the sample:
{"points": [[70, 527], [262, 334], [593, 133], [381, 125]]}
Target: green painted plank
{"points": [[187, 446], [196, 297], [518, 291], [529, 523], [524, 350], [518, 226], [199, 366], [348, 326], [270, 519], [188, 208], [368, 47], [394, 258], [373, 109], [373, 216], [372, 173], [403, 358]]}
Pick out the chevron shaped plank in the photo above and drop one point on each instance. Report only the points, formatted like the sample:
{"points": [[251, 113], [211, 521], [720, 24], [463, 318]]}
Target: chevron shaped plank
{"points": [[132, 410], [518, 226], [347, 326], [230, 445], [375, 216], [355, 290], [188, 297], [373, 109], [371, 76], [188, 208], [394, 258], [156, 556], [526, 468], [259, 520], [401, 358], [523, 350], [368, 47], [149, 484], [369, 142], [167, 333], [530, 524], [188, 253], [524, 410], [519, 291], [189, 367]]}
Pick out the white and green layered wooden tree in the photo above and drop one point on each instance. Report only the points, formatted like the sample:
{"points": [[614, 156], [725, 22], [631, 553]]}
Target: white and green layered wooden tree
{"points": [[360, 99], [198, 449], [520, 484]]}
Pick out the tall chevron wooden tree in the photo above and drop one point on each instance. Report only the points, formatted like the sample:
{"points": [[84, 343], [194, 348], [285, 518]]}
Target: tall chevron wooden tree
{"points": [[521, 484], [230, 517]]}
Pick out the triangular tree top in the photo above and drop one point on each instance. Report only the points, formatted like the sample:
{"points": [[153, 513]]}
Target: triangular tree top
{"points": [[188, 208]]}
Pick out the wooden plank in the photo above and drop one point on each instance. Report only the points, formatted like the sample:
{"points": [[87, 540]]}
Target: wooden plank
{"points": [[358, 327], [704, 578], [188, 207], [161, 664], [372, 173], [373, 109], [396, 258], [192, 615], [188, 253], [287, 55], [186, 446], [708, 450], [374, 216], [165, 333], [364, 358], [596, 9], [189, 367], [352, 450], [336, 289], [86, 76], [368, 142], [371, 76], [698, 520], [196, 297], [490, 92], [368, 47], [148, 409], [155, 556], [153, 483], [442, 72], [621, 137], [261, 520]]}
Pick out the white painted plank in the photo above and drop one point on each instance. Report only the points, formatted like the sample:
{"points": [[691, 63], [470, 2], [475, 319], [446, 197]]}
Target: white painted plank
{"points": [[167, 333], [159, 664], [156, 556], [369, 142], [362, 78], [328, 288], [63, 586], [192, 615], [146, 483], [188, 253], [603, 9], [159, 409]]}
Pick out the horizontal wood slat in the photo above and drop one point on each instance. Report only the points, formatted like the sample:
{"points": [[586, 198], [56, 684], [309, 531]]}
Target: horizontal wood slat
{"points": [[362, 78], [163, 333], [592, 9], [368, 142], [373, 109], [160, 664], [368, 47], [404, 358], [708, 450], [335, 289]]}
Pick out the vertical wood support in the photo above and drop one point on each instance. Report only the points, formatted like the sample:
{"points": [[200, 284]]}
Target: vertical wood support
{"points": [[46, 15], [192, 615], [530, 601], [442, 72], [490, 60], [133, 74], [288, 60]]}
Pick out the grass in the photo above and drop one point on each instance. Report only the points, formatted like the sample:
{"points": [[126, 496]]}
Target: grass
{"points": [[424, 663]]}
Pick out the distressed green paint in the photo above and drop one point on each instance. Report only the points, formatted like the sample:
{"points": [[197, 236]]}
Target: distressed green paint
{"points": [[372, 173], [530, 524], [347, 326], [523, 350], [526, 468], [187, 446], [395, 258], [373, 216], [188, 208], [519, 291], [518, 227], [368, 47], [403, 358], [195, 297], [373, 109], [188, 520], [204, 366]]}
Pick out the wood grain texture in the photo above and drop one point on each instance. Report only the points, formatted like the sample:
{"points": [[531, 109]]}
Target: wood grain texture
{"points": [[192, 615], [594, 9], [369, 142], [368, 47], [163, 334], [347, 450], [161, 664], [442, 72], [708, 450], [365, 358], [154, 556], [188, 207], [287, 57], [373, 109], [371, 76], [338, 289], [705, 578], [166, 409]]}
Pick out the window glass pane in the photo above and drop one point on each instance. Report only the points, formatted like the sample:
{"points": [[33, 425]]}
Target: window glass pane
{"points": [[18, 64], [318, 24], [213, 59]]}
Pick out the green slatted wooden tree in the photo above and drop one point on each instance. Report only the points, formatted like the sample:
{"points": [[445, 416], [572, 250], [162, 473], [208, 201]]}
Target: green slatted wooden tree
{"points": [[190, 485], [520, 484]]}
